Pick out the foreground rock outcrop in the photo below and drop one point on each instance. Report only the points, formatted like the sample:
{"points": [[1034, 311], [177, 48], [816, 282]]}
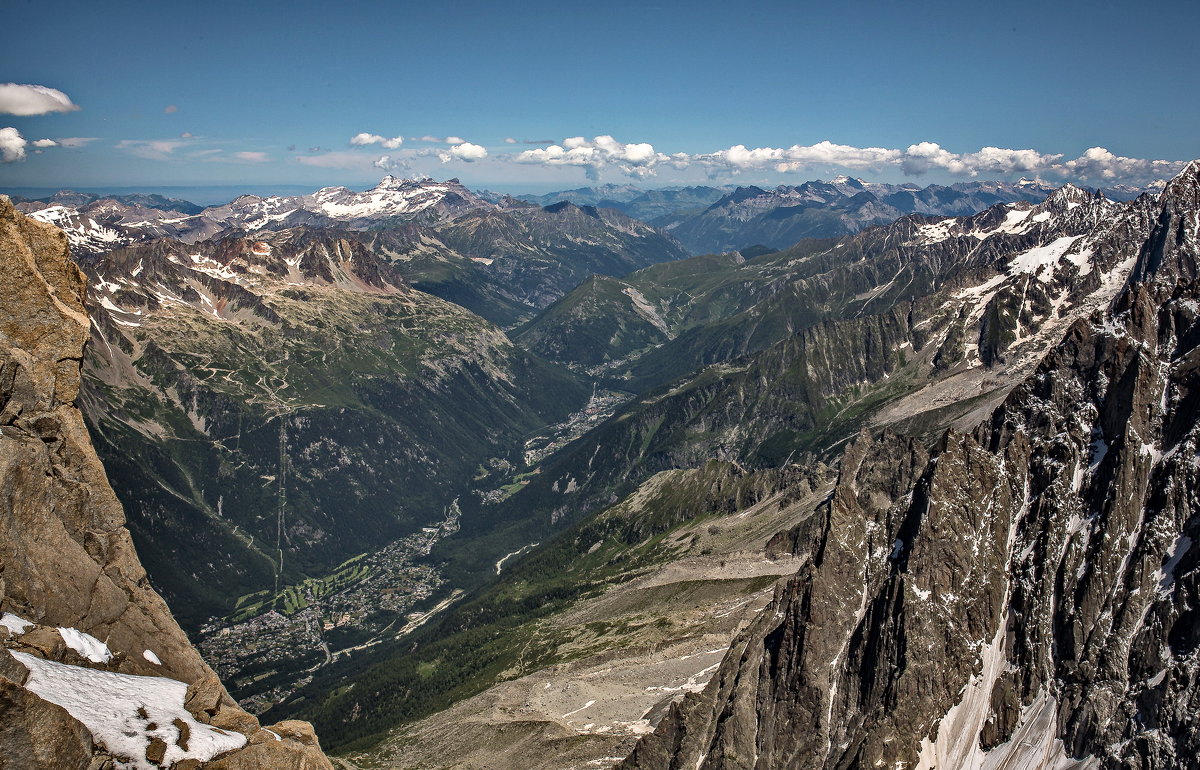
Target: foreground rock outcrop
{"points": [[94, 670], [1024, 595]]}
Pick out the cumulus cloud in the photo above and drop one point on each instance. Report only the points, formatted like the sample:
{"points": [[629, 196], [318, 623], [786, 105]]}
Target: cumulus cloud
{"points": [[1100, 165], [799, 157], [924, 156], [364, 139], [594, 155], [1097, 164], [12, 145], [389, 163], [18, 99], [44, 143], [252, 157], [510, 140], [153, 149], [464, 151]]}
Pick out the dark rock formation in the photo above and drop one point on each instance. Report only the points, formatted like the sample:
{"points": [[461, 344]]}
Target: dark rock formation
{"points": [[1025, 595]]}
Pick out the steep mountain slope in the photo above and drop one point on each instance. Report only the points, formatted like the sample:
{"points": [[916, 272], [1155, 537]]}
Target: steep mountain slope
{"points": [[288, 404], [93, 668], [710, 309], [1024, 595], [914, 363]]}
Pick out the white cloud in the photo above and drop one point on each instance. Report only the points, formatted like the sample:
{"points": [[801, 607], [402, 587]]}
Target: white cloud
{"points": [[464, 151], [1100, 165], [510, 140], [18, 99], [77, 141], [924, 156], [364, 139], [153, 149], [12, 145], [44, 143], [252, 157], [389, 163], [440, 139], [802, 157], [637, 160], [1096, 165]]}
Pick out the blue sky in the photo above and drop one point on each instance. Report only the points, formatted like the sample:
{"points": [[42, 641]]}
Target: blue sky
{"points": [[264, 93]]}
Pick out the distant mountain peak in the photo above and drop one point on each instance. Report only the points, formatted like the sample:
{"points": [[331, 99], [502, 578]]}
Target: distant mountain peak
{"points": [[1186, 184], [1067, 197]]}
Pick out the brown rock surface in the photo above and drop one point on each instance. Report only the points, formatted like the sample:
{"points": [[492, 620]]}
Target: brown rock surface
{"points": [[37, 734]]}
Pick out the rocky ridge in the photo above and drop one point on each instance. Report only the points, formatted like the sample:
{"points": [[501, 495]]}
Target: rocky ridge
{"points": [[79, 616], [1022, 595], [917, 324], [887, 327]]}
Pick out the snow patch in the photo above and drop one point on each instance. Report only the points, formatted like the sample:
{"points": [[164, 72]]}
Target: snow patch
{"points": [[15, 625], [1034, 745], [587, 705], [86, 645], [957, 743], [1038, 258], [150, 656], [108, 704], [1166, 573]]}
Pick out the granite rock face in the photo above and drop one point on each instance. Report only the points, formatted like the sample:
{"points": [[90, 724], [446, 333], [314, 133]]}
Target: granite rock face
{"points": [[1025, 594], [67, 564]]}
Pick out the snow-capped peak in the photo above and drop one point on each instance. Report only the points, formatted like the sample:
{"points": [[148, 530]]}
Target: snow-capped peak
{"points": [[1066, 198]]}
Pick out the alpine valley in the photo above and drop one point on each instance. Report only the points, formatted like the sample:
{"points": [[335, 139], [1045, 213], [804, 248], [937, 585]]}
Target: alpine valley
{"points": [[837, 475]]}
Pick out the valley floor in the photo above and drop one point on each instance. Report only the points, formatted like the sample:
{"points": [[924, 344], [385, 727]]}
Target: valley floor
{"points": [[619, 659]]}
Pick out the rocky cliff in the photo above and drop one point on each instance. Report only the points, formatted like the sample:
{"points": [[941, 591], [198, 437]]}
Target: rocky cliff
{"points": [[1025, 594], [94, 671]]}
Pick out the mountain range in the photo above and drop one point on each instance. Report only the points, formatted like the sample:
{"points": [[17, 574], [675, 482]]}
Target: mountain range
{"points": [[502, 260], [470, 481], [709, 486]]}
